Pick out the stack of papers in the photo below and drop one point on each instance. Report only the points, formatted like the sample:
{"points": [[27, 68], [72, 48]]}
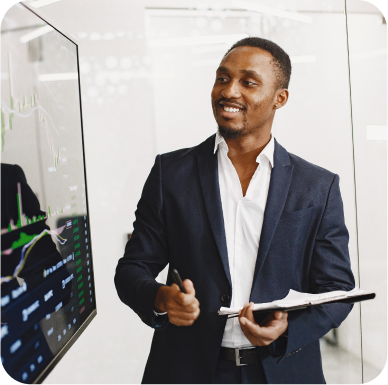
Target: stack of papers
{"points": [[297, 300]]}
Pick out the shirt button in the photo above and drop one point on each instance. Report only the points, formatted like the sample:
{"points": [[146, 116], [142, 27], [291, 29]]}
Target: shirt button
{"points": [[225, 298]]}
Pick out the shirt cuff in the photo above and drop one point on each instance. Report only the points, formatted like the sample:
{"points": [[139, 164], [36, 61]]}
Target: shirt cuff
{"points": [[156, 313]]}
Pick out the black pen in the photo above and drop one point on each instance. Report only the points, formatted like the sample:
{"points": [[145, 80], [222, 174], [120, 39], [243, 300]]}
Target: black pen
{"points": [[177, 279]]}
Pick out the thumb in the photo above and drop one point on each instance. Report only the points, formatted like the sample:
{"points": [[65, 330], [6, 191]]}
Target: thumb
{"points": [[189, 287], [252, 327]]}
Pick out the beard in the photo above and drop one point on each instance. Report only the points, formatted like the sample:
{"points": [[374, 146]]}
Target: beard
{"points": [[227, 132], [230, 133], [233, 133]]}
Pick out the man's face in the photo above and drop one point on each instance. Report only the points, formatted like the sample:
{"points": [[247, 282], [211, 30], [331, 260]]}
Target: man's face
{"points": [[244, 92]]}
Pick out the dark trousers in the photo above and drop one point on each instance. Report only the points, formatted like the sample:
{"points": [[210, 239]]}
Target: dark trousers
{"points": [[228, 373]]}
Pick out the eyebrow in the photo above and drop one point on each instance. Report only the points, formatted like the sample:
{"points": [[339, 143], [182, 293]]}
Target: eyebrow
{"points": [[247, 72], [252, 73]]}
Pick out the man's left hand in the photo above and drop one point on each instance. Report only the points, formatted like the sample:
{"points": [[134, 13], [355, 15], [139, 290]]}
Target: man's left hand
{"points": [[273, 326]]}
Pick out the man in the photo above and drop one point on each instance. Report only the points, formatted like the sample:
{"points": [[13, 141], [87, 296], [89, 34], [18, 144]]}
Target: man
{"points": [[243, 221]]}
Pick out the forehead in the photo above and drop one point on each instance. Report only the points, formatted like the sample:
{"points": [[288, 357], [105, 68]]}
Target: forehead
{"points": [[248, 58]]}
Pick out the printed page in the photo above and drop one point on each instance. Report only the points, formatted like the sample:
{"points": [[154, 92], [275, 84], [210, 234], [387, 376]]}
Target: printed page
{"points": [[295, 298]]}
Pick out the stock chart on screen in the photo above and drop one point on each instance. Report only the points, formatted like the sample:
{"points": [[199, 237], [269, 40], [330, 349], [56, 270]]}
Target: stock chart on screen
{"points": [[47, 285]]}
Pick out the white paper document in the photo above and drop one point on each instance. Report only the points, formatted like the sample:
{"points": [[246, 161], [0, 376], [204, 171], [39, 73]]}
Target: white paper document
{"points": [[295, 298]]}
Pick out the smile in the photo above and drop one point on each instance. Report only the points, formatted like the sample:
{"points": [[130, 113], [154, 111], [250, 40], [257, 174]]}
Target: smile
{"points": [[230, 109]]}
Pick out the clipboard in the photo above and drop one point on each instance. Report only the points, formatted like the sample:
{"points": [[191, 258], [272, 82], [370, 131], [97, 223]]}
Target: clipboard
{"points": [[350, 300]]}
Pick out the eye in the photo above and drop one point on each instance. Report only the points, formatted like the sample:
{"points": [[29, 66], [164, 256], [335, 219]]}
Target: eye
{"points": [[221, 79], [247, 83]]}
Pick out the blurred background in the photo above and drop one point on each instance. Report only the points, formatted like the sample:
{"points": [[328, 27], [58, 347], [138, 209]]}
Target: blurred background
{"points": [[139, 85]]}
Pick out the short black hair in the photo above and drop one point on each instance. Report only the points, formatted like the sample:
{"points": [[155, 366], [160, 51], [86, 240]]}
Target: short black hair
{"points": [[281, 61]]}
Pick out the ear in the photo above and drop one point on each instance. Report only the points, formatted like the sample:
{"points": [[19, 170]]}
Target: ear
{"points": [[281, 98]]}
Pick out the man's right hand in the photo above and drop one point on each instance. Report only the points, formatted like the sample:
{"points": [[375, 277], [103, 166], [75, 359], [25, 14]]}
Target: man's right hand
{"points": [[182, 309]]}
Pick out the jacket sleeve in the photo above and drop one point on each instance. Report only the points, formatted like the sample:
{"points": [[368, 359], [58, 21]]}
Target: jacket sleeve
{"points": [[146, 253], [330, 270]]}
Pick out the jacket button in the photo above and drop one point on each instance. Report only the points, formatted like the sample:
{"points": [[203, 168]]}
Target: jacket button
{"points": [[225, 298]]}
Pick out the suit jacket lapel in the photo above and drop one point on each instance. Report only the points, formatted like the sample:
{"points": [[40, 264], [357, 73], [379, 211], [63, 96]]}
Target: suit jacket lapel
{"points": [[277, 195], [208, 176]]}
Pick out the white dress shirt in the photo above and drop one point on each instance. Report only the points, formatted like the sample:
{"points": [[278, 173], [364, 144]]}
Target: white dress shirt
{"points": [[243, 220]]}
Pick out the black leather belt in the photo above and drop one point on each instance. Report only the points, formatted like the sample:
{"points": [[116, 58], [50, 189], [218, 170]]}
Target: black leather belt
{"points": [[242, 356]]}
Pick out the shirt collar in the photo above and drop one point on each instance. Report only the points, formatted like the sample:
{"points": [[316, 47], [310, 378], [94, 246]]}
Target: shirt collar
{"points": [[267, 151], [219, 140]]}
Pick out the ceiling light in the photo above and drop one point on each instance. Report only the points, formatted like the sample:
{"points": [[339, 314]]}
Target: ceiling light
{"points": [[58, 76], [272, 11], [196, 40], [36, 33]]}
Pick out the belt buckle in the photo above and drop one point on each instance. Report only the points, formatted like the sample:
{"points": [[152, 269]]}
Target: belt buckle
{"points": [[238, 358]]}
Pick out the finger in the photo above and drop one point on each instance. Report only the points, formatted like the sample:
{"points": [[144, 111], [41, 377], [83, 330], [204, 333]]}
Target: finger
{"points": [[183, 306], [173, 295], [183, 319], [242, 312], [176, 314], [262, 335], [184, 309], [192, 307], [181, 322], [185, 300], [244, 309], [249, 326], [188, 322], [278, 315], [249, 312], [174, 289], [189, 286]]}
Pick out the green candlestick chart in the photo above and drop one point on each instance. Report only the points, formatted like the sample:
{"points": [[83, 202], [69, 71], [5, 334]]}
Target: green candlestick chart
{"points": [[23, 220]]}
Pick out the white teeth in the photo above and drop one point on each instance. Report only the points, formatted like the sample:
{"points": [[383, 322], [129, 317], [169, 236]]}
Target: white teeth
{"points": [[230, 109]]}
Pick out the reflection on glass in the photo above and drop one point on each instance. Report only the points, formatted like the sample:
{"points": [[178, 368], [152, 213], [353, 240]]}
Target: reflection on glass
{"points": [[47, 290]]}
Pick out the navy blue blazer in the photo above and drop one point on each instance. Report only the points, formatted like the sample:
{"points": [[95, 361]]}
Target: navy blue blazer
{"points": [[303, 246]]}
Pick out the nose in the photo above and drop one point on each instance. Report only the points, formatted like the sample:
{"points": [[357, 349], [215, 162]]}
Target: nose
{"points": [[231, 90]]}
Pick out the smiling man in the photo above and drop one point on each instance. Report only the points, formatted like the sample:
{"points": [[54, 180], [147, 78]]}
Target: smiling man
{"points": [[243, 221]]}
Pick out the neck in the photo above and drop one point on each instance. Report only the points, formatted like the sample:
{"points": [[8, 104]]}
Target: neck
{"points": [[249, 145], [243, 153]]}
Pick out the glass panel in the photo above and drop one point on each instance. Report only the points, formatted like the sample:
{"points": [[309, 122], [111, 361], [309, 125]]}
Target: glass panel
{"points": [[315, 124], [367, 30], [47, 290]]}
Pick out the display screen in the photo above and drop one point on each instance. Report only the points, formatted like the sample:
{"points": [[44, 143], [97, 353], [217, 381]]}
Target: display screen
{"points": [[47, 286]]}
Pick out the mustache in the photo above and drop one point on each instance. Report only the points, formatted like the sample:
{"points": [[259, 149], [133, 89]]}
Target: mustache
{"points": [[217, 102]]}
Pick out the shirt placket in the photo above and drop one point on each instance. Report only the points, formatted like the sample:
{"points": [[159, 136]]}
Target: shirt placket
{"points": [[240, 240], [237, 279]]}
